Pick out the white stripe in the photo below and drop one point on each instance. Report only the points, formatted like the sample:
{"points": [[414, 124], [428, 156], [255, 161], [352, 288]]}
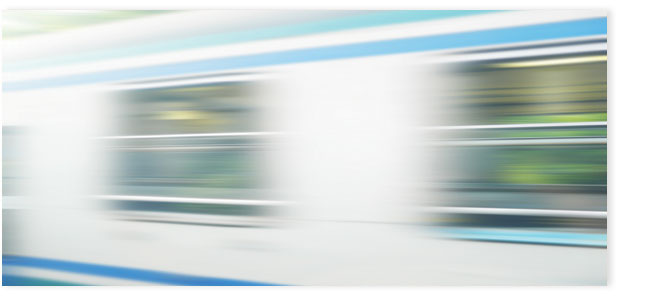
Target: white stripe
{"points": [[541, 141], [179, 81], [271, 133], [519, 211], [518, 126], [183, 148], [145, 30], [552, 61], [192, 135], [522, 53], [221, 201]]}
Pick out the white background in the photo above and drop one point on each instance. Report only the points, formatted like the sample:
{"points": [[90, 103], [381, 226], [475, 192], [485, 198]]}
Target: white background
{"points": [[636, 151]]}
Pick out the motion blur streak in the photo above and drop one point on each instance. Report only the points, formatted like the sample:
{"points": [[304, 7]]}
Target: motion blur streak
{"points": [[243, 148]]}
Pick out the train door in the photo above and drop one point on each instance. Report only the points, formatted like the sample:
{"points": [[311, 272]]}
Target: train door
{"points": [[351, 158], [350, 164]]}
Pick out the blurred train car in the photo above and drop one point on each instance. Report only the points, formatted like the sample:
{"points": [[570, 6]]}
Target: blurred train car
{"points": [[308, 148]]}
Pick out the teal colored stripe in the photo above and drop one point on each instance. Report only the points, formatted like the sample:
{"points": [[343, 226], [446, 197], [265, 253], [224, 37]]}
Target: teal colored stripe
{"points": [[522, 236], [330, 25]]}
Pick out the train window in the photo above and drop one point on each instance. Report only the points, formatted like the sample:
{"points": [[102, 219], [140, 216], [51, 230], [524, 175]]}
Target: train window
{"points": [[213, 108], [190, 150], [525, 141], [13, 159], [537, 90], [200, 172]]}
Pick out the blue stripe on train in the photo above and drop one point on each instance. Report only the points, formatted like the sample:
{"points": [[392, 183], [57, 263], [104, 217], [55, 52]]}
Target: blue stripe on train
{"points": [[525, 236], [17, 280], [124, 272], [569, 29], [365, 20]]}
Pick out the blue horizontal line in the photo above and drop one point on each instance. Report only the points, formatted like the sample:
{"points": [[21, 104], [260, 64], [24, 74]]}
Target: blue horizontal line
{"points": [[124, 272], [364, 20], [558, 30], [522, 236], [17, 280]]}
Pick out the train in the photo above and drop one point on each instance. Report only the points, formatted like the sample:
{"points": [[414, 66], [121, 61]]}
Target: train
{"points": [[308, 148]]}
